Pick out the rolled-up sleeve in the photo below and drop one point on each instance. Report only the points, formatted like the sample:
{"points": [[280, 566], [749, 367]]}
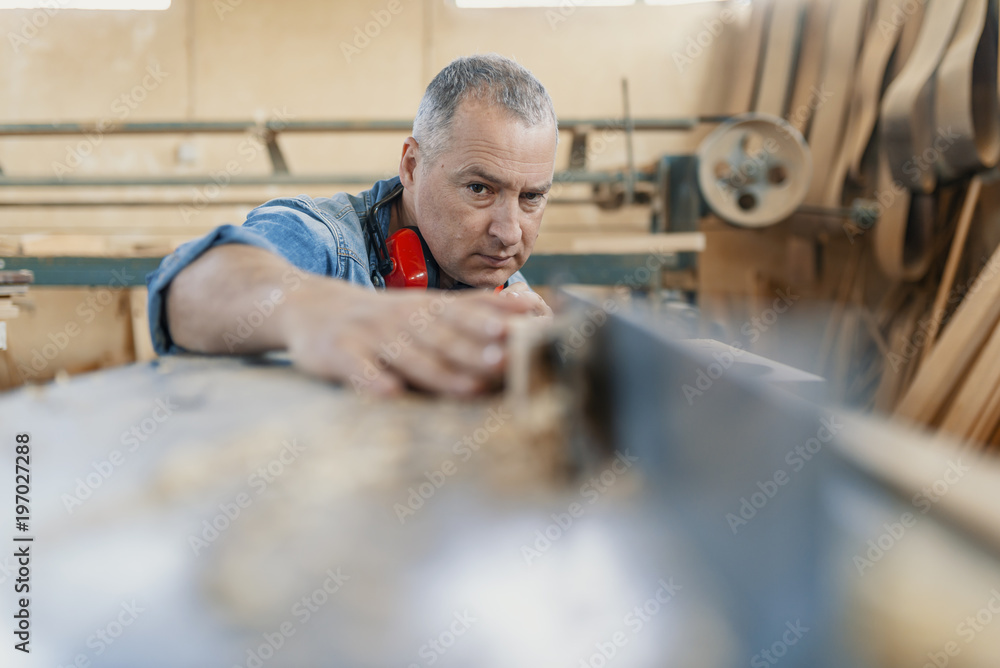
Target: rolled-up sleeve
{"points": [[518, 277], [280, 226], [159, 281]]}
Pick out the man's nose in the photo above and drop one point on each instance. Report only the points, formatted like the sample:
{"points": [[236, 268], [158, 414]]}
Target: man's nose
{"points": [[505, 224]]}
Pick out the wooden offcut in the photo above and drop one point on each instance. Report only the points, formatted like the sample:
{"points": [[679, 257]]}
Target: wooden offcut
{"points": [[960, 344]]}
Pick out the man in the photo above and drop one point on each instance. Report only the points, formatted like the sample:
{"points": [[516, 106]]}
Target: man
{"points": [[301, 274]]}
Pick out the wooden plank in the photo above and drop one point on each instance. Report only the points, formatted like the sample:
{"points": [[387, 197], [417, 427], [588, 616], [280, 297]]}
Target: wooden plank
{"points": [[913, 360], [960, 344], [844, 290], [896, 362], [845, 345], [756, 43], [908, 460], [652, 244], [142, 342], [989, 419], [779, 59], [951, 266], [807, 94], [8, 309], [973, 398], [218, 420]]}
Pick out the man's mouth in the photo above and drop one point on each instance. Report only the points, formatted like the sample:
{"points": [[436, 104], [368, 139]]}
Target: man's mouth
{"points": [[497, 260]]}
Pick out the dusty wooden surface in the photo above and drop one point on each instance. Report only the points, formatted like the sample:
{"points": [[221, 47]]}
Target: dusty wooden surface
{"points": [[423, 506]]}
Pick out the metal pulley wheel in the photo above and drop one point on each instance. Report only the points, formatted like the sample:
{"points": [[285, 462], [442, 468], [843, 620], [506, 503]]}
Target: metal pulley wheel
{"points": [[754, 170]]}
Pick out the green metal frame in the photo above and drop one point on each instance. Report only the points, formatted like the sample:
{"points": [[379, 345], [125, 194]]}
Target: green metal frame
{"points": [[541, 269]]}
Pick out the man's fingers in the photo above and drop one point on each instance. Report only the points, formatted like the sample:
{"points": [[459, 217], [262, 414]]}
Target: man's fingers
{"points": [[385, 384], [541, 307], [533, 299], [352, 363], [471, 332], [521, 293], [516, 288], [470, 353], [483, 317], [381, 369], [453, 344], [429, 370]]}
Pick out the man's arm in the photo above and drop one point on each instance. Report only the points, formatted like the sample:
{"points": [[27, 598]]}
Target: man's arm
{"points": [[207, 300], [240, 299]]}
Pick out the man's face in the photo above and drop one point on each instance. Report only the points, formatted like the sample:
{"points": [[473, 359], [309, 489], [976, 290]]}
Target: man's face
{"points": [[479, 204]]}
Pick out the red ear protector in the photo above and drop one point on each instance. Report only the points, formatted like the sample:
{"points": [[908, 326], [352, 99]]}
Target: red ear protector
{"points": [[404, 260], [413, 266]]}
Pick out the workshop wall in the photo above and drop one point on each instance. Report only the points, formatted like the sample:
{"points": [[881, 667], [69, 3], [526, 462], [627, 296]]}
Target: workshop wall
{"points": [[304, 59], [298, 60]]}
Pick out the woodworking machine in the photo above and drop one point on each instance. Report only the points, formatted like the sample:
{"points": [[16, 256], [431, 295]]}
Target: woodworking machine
{"points": [[218, 511]]}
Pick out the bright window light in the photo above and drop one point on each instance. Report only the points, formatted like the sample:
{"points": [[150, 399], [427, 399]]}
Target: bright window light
{"points": [[494, 4], [55, 5], [685, 2]]}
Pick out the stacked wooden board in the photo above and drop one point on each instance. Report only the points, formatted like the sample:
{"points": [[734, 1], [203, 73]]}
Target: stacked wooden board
{"points": [[13, 284], [899, 104], [957, 385], [938, 115]]}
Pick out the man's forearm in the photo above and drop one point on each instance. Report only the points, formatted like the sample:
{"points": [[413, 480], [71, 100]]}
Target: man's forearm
{"points": [[233, 299], [241, 299]]}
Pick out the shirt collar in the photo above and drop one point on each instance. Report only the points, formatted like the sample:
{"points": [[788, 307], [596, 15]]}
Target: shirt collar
{"points": [[380, 190]]}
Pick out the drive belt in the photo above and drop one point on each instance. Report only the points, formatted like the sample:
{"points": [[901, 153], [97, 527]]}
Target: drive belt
{"points": [[905, 229], [846, 25], [908, 107], [965, 102], [880, 42], [939, 118], [913, 21]]}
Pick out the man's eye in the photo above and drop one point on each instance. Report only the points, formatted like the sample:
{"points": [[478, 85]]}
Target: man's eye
{"points": [[477, 188], [532, 197]]}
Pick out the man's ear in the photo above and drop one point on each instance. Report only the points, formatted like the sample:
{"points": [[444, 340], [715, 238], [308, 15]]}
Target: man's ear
{"points": [[409, 162]]}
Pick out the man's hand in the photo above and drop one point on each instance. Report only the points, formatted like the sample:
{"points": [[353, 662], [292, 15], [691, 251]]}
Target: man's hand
{"points": [[440, 341], [449, 342], [522, 293]]}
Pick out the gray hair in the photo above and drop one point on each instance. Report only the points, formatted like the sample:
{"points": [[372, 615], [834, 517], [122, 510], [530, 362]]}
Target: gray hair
{"points": [[490, 78]]}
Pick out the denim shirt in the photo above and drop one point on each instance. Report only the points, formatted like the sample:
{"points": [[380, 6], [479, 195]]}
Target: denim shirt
{"points": [[323, 236]]}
